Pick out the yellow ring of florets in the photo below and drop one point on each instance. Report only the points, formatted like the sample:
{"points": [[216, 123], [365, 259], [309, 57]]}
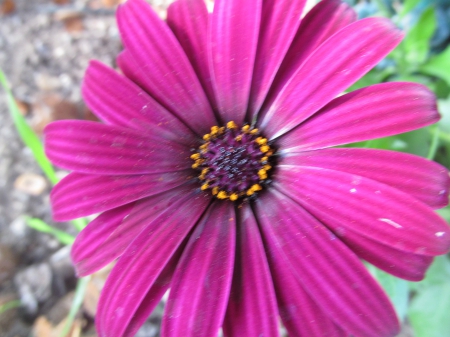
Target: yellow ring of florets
{"points": [[262, 173]]}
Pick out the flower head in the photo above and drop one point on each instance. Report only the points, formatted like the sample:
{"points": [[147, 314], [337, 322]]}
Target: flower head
{"points": [[216, 173]]}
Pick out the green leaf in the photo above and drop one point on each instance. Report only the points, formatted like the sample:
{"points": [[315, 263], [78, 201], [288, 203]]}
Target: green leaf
{"points": [[43, 227], [9, 305], [416, 42], [397, 290], [428, 312], [27, 134], [76, 304], [408, 5], [438, 66]]}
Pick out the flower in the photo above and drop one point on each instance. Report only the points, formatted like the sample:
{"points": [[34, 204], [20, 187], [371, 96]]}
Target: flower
{"points": [[216, 173]]}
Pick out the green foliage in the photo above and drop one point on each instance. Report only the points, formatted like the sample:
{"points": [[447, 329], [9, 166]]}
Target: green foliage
{"points": [[28, 136], [397, 290], [41, 226], [438, 66], [430, 307], [416, 43]]}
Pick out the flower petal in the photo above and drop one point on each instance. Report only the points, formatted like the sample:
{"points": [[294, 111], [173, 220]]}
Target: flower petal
{"points": [[377, 111], [321, 22], [294, 303], [107, 237], [347, 202], [118, 101], [79, 195], [411, 267], [201, 284], [145, 259], [280, 22], [232, 45], [329, 272], [188, 20], [329, 70], [423, 179], [164, 69], [95, 148], [252, 307]]}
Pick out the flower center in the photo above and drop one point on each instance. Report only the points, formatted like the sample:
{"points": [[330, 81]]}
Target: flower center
{"points": [[233, 163]]}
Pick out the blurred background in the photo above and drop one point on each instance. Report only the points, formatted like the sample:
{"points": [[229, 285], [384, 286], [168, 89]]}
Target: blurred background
{"points": [[45, 46]]}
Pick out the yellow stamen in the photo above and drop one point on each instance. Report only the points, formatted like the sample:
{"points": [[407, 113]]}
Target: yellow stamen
{"points": [[231, 125], [234, 197], [222, 195], [207, 136], [238, 138], [215, 190], [264, 148], [214, 130], [197, 163], [267, 167], [254, 131], [245, 128], [263, 159], [195, 156], [262, 174], [256, 187], [250, 192], [204, 187], [261, 141], [204, 146]]}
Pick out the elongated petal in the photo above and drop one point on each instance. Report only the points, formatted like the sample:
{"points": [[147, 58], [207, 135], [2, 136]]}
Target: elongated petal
{"points": [[252, 307], [347, 202], [201, 285], [188, 20], [411, 267], [145, 259], [107, 237], [332, 68], [232, 45], [118, 101], [424, 179], [329, 272], [299, 312], [164, 69], [377, 111], [95, 148], [321, 22], [79, 195], [280, 20]]}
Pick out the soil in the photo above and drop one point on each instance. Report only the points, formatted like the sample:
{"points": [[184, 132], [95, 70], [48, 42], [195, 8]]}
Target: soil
{"points": [[45, 47]]}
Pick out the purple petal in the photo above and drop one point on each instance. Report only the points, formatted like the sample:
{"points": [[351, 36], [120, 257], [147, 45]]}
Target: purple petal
{"points": [[411, 267], [95, 148], [377, 111], [280, 20], [295, 303], [118, 101], [188, 20], [347, 202], [330, 69], [322, 21], [201, 284], [329, 272], [164, 70], [252, 308], [423, 179], [232, 45], [137, 271], [107, 237], [79, 195]]}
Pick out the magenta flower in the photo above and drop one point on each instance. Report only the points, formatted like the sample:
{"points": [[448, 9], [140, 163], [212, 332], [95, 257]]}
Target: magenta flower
{"points": [[215, 176]]}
